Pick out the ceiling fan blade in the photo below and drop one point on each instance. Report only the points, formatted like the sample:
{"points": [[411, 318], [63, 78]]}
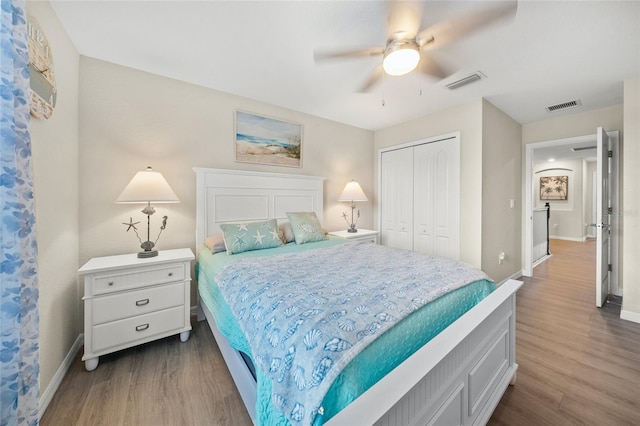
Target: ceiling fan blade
{"points": [[449, 31], [375, 77], [431, 67], [403, 21], [319, 56]]}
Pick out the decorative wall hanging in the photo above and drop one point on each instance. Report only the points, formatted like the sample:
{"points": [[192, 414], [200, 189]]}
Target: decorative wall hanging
{"points": [[42, 78], [265, 140], [554, 188]]}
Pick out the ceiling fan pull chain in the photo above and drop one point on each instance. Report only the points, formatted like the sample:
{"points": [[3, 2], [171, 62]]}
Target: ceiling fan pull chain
{"points": [[418, 72], [383, 81]]}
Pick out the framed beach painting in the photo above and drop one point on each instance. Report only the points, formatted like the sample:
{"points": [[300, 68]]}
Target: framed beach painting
{"points": [[554, 188], [265, 140]]}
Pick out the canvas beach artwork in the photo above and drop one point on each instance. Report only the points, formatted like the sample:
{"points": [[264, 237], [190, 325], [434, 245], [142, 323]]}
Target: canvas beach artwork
{"points": [[265, 140]]}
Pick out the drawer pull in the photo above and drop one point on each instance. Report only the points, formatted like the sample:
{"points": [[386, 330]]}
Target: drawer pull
{"points": [[142, 302], [110, 283], [170, 274], [142, 327]]}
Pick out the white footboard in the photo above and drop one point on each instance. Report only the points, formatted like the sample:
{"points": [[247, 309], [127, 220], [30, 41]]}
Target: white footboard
{"points": [[456, 378]]}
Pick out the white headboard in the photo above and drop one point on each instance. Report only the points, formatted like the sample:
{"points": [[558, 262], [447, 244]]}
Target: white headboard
{"points": [[242, 196]]}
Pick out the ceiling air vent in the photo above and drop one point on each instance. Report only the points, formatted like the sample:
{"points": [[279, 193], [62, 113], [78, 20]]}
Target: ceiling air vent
{"points": [[583, 148], [476, 76], [564, 105]]}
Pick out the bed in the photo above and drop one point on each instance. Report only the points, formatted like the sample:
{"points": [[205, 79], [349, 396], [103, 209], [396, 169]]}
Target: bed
{"points": [[458, 377]]}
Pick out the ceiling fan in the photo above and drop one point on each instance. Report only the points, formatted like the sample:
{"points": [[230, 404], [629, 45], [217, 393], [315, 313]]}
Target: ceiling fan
{"points": [[407, 46]]}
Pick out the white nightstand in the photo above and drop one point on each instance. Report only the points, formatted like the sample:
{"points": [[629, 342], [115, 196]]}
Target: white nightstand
{"points": [[361, 235], [129, 301]]}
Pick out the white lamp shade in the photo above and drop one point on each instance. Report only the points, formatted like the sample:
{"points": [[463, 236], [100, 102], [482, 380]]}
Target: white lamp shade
{"points": [[353, 192], [148, 186]]}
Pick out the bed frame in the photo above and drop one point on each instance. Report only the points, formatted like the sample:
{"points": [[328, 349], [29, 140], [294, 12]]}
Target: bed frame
{"points": [[457, 378]]}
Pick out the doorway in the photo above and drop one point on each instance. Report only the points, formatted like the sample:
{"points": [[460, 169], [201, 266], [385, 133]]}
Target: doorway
{"points": [[582, 147]]}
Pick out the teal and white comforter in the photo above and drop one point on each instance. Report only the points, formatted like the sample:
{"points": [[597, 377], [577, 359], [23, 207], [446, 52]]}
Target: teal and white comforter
{"points": [[306, 315]]}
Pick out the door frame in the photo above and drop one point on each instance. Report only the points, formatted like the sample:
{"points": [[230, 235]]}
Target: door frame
{"points": [[527, 202]]}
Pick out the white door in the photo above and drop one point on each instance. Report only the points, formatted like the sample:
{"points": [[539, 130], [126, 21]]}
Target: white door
{"points": [[603, 223], [436, 188], [396, 172]]}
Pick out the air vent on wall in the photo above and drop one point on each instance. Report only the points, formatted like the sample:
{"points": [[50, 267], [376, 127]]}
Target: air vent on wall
{"points": [[583, 148], [476, 76], [564, 105]]}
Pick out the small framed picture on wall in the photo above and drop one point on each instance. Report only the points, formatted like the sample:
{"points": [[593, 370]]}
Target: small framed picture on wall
{"points": [[554, 188]]}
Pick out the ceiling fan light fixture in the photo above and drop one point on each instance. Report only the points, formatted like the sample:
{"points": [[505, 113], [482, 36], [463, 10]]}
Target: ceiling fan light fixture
{"points": [[401, 57]]}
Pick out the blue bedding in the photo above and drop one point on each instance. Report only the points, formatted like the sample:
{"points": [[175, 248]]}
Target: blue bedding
{"points": [[286, 321]]}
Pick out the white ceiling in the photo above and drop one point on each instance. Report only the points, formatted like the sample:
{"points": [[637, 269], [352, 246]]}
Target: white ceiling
{"points": [[550, 53]]}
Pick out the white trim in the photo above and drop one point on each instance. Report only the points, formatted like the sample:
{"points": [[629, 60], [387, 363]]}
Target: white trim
{"points": [[578, 240], [527, 194], [50, 391], [513, 276], [630, 316], [542, 260]]}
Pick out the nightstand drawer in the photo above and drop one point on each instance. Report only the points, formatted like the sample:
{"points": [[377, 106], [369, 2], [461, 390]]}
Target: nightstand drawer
{"points": [[372, 240], [128, 330], [124, 305], [138, 278]]}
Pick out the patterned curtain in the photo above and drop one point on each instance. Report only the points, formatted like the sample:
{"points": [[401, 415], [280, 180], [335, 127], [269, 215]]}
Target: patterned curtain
{"points": [[19, 367]]}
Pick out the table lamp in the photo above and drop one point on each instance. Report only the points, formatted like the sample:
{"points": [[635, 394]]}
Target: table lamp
{"points": [[148, 187], [352, 192]]}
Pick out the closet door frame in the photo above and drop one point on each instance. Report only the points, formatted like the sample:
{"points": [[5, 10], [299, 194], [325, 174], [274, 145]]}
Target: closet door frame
{"points": [[454, 137]]}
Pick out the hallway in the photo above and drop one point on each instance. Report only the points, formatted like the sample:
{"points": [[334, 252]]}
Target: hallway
{"points": [[578, 363]]}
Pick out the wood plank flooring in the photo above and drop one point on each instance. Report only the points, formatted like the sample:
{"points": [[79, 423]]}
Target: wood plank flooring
{"points": [[578, 365], [165, 382]]}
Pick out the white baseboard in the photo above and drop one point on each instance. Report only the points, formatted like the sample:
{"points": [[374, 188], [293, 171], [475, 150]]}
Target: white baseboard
{"points": [[630, 316], [47, 395], [513, 276], [579, 240], [541, 260]]}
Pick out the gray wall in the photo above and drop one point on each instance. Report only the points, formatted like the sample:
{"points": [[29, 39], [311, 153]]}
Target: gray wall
{"points": [[501, 164], [55, 172], [130, 119]]}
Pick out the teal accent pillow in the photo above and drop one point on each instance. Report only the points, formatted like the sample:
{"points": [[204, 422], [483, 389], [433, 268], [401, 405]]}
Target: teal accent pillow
{"points": [[239, 237], [306, 227]]}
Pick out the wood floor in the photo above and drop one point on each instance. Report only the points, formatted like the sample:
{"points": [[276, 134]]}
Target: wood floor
{"points": [[578, 365]]}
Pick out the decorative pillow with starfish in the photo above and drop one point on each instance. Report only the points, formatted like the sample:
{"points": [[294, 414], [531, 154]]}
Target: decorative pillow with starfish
{"points": [[240, 237]]}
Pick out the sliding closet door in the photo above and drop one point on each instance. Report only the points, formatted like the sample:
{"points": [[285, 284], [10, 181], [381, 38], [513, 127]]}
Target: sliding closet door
{"points": [[396, 177], [436, 195]]}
